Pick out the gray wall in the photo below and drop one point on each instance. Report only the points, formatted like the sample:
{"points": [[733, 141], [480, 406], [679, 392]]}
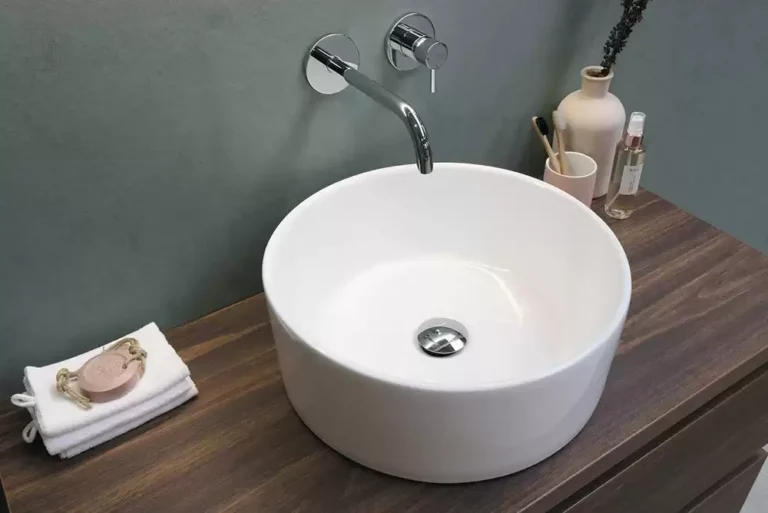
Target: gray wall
{"points": [[699, 69], [148, 148]]}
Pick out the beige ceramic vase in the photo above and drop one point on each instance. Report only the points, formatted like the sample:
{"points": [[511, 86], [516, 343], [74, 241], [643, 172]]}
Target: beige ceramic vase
{"points": [[595, 121]]}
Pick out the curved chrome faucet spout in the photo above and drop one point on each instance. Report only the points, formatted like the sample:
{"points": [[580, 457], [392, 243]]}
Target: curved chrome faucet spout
{"points": [[387, 99]]}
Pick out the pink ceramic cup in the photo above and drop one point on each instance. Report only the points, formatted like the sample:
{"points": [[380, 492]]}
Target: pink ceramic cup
{"points": [[580, 182]]}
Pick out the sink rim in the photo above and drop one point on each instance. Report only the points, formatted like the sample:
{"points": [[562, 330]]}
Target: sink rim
{"points": [[603, 337]]}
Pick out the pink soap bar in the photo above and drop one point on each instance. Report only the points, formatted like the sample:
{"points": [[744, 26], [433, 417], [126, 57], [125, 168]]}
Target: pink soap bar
{"points": [[105, 377]]}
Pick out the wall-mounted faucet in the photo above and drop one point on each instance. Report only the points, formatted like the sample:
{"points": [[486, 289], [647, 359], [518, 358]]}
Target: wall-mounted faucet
{"points": [[411, 42], [332, 65]]}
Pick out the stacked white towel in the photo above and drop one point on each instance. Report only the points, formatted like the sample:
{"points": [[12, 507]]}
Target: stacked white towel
{"points": [[67, 429]]}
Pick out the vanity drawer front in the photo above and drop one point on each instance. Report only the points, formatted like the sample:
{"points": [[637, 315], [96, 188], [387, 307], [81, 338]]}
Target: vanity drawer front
{"points": [[3, 502], [728, 495], [668, 476]]}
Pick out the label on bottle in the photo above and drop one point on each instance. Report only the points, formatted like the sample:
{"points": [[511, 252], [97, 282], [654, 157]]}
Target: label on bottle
{"points": [[630, 179]]}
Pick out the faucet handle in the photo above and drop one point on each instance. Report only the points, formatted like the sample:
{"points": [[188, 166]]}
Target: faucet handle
{"points": [[411, 42], [430, 52]]}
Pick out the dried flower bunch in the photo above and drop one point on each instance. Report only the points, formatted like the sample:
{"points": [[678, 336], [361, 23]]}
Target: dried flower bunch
{"points": [[617, 40]]}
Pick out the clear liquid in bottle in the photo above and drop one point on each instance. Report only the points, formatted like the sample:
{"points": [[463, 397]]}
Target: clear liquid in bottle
{"points": [[624, 184]]}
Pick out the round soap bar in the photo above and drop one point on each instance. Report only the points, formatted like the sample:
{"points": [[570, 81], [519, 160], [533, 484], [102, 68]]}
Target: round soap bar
{"points": [[105, 377]]}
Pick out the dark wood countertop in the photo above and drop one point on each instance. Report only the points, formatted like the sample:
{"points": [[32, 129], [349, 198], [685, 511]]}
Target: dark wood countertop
{"points": [[698, 323]]}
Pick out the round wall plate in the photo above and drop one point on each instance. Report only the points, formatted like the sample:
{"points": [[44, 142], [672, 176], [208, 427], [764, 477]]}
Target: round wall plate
{"points": [[396, 58], [322, 79]]}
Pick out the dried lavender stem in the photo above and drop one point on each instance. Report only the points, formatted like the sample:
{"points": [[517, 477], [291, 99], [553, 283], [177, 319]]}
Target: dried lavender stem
{"points": [[632, 15]]}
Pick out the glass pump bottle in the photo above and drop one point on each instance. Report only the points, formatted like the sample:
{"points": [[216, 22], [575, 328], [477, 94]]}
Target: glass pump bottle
{"points": [[621, 199]]}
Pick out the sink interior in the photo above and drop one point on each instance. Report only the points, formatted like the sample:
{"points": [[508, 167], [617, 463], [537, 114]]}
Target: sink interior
{"points": [[362, 265]]}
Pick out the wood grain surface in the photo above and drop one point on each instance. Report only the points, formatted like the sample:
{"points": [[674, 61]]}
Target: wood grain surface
{"points": [[729, 495], [686, 461], [697, 326]]}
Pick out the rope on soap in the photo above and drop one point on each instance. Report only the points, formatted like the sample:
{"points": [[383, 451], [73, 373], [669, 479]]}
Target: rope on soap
{"points": [[134, 349], [64, 377]]}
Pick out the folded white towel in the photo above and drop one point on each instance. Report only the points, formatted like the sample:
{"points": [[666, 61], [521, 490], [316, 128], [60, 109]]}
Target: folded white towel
{"points": [[63, 443], [55, 414], [189, 393]]}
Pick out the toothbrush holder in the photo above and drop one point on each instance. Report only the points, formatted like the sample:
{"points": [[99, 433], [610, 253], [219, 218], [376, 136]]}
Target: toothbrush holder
{"points": [[580, 182]]}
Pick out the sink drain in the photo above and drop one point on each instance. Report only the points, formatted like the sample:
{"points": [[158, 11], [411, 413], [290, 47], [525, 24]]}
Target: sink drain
{"points": [[440, 339]]}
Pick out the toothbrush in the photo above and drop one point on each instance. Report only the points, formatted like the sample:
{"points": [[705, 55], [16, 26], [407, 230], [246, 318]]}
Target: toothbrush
{"points": [[542, 129], [560, 127]]}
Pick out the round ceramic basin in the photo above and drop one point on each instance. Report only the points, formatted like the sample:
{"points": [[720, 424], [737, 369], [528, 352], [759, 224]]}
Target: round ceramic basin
{"points": [[534, 281]]}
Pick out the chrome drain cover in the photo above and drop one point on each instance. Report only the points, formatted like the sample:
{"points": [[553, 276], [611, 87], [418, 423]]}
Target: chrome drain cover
{"points": [[441, 341]]}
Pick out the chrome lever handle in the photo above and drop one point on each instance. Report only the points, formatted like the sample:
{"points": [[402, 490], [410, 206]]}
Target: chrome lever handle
{"points": [[432, 80]]}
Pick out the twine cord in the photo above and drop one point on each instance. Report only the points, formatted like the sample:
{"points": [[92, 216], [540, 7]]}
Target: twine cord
{"points": [[134, 349], [65, 377]]}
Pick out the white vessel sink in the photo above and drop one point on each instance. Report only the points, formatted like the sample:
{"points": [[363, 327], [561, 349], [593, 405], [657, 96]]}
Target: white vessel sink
{"points": [[536, 282]]}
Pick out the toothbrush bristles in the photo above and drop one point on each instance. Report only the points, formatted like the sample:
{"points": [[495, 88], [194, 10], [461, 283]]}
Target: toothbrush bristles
{"points": [[541, 123]]}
